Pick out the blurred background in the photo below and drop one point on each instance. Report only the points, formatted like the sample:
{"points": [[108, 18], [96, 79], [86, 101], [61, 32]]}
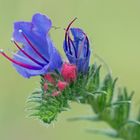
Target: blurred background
{"points": [[113, 27]]}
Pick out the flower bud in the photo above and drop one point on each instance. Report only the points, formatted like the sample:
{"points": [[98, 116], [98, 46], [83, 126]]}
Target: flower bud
{"points": [[62, 85], [69, 72], [49, 78], [77, 48]]}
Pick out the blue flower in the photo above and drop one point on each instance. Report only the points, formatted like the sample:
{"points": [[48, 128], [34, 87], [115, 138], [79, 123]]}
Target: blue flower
{"points": [[38, 54], [77, 49]]}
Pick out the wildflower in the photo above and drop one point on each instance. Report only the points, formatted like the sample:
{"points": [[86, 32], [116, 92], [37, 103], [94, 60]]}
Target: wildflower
{"points": [[62, 85], [69, 72], [38, 54], [77, 49]]}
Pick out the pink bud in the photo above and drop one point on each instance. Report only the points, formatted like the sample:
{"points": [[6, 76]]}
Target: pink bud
{"points": [[45, 86], [62, 85], [49, 78], [56, 93], [69, 72]]}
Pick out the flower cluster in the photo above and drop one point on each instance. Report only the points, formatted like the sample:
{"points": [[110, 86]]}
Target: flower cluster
{"points": [[68, 75], [38, 55]]}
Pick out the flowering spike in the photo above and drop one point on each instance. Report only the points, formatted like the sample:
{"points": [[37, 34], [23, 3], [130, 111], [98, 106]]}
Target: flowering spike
{"points": [[33, 47], [19, 63], [37, 62], [72, 81]]}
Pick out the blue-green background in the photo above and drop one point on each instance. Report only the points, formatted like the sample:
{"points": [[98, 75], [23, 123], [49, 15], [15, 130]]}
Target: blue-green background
{"points": [[113, 27]]}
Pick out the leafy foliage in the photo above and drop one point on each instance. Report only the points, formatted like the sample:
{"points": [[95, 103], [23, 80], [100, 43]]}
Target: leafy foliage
{"points": [[109, 104]]}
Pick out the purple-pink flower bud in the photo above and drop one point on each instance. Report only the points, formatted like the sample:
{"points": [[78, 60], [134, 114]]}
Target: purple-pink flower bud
{"points": [[62, 85], [69, 72], [49, 78]]}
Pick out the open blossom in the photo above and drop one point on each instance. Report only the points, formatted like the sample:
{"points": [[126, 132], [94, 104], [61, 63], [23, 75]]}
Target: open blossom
{"points": [[69, 72], [77, 49], [62, 85], [38, 54]]}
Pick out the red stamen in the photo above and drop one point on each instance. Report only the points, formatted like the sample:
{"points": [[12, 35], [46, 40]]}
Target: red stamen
{"points": [[37, 62], [66, 32], [71, 23], [19, 63], [29, 42]]}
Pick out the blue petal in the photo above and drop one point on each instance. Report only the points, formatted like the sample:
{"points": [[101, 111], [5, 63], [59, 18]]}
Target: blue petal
{"points": [[54, 64], [55, 61], [40, 26], [32, 53], [77, 33], [42, 23], [25, 27], [81, 63], [36, 31], [28, 73], [55, 58], [20, 57], [79, 37], [39, 42]]}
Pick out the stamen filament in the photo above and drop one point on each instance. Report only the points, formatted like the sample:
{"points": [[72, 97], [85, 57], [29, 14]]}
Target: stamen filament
{"points": [[66, 32], [71, 41], [19, 63], [37, 62], [70, 24], [29, 42]]}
